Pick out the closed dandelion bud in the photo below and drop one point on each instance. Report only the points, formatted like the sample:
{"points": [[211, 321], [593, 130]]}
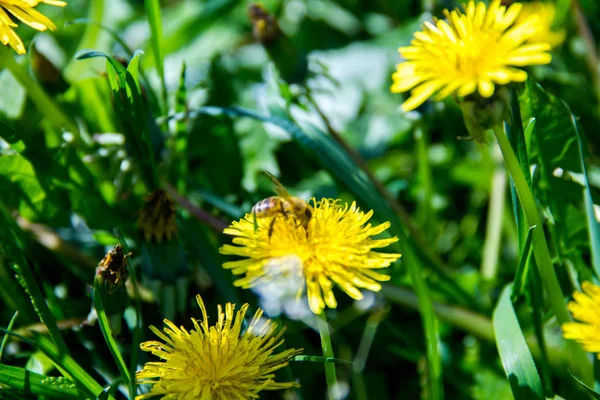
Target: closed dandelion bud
{"points": [[290, 61], [162, 255], [157, 218], [109, 282]]}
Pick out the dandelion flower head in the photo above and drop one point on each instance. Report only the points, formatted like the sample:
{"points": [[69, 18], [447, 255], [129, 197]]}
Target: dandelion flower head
{"points": [[336, 248], [586, 310], [216, 362], [545, 11], [24, 11], [469, 52]]}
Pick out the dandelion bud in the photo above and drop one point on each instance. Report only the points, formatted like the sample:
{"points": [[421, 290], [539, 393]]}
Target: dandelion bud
{"points": [[111, 272], [157, 218], [290, 62]]}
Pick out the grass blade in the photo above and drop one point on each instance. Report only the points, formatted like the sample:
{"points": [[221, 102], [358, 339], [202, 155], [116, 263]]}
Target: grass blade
{"points": [[108, 337], [516, 358], [156, 37], [593, 226], [37, 385]]}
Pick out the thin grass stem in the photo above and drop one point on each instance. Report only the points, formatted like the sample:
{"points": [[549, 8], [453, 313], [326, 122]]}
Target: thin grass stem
{"points": [[330, 374]]}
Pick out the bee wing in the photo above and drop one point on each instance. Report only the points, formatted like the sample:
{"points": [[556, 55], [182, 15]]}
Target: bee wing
{"points": [[277, 186]]}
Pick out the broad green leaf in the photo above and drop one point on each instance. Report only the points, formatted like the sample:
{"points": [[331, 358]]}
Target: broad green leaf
{"points": [[11, 106], [34, 384], [553, 142], [519, 367], [20, 186]]}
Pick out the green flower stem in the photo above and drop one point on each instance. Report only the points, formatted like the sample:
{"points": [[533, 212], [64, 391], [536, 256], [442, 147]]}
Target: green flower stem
{"points": [[540, 247], [491, 247], [425, 177], [330, 374], [37, 94], [540, 250]]}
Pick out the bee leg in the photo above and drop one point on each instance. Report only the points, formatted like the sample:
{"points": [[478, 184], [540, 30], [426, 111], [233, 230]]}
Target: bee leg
{"points": [[271, 227]]}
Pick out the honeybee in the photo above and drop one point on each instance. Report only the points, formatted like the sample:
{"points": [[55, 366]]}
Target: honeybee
{"points": [[282, 205]]}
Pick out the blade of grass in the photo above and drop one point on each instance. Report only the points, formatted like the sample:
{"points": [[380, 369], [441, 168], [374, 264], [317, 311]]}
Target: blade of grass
{"points": [[109, 339], [540, 250], [27, 279], [67, 365], [156, 37], [330, 374], [34, 384], [8, 328], [522, 274], [516, 358], [593, 226]]}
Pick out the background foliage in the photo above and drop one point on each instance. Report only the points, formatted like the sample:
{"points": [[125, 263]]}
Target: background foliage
{"points": [[68, 195]]}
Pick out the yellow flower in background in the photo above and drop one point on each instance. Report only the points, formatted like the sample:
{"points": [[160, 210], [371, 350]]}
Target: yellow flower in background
{"points": [[24, 11], [586, 309], [469, 52], [335, 249], [545, 11], [216, 362]]}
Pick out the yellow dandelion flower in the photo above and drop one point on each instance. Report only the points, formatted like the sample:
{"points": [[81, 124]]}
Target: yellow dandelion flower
{"points": [[586, 309], [545, 11], [469, 52], [24, 11], [336, 248], [157, 219], [216, 362]]}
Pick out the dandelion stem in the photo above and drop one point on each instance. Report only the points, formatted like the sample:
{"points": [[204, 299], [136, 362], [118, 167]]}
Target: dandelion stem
{"points": [[37, 94], [425, 204], [330, 374], [491, 247], [540, 250]]}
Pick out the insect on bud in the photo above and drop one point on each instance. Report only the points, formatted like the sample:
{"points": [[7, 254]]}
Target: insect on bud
{"points": [[111, 272]]}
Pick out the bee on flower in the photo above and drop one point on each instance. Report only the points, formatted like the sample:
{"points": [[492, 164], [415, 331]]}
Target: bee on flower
{"points": [[24, 11], [470, 52], [334, 248]]}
